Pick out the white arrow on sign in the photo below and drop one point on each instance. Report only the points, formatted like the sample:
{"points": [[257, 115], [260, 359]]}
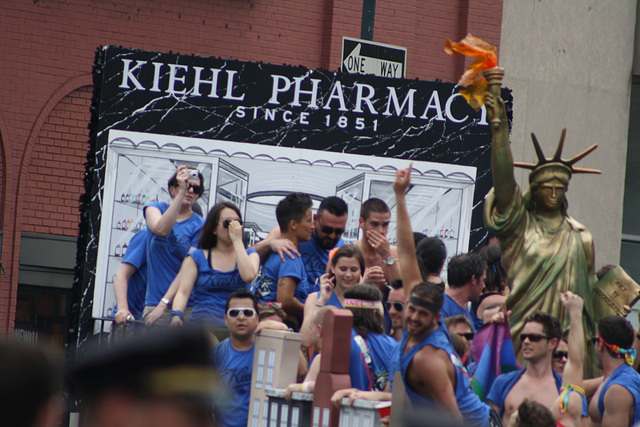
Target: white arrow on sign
{"points": [[356, 63]]}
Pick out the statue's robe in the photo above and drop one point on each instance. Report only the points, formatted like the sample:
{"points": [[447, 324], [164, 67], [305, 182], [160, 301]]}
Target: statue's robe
{"points": [[542, 262]]}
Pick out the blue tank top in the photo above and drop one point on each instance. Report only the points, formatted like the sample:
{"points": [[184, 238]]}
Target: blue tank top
{"points": [[383, 351], [211, 290], [628, 378], [333, 300], [474, 412]]}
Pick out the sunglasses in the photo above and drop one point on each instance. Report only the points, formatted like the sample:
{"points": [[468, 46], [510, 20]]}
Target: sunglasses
{"points": [[330, 230], [198, 189], [594, 340], [397, 305], [558, 355], [276, 305], [467, 335], [246, 312], [226, 222], [533, 337]]}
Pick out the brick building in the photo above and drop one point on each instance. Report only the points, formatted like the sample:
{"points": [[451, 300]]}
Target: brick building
{"points": [[47, 52]]}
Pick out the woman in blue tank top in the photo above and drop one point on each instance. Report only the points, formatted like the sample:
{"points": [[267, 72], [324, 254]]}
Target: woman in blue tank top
{"points": [[218, 267], [346, 269]]}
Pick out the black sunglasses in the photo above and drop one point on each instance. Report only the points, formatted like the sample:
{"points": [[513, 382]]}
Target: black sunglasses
{"points": [[558, 355], [399, 306], [330, 230], [198, 189], [226, 222], [247, 312], [467, 335], [594, 340], [533, 337]]}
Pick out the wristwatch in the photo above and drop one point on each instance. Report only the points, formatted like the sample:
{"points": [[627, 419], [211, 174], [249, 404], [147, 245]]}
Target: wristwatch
{"points": [[166, 301], [389, 260]]}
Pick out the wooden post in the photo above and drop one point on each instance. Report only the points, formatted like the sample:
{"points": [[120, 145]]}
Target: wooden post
{"points": [[334, 367]]}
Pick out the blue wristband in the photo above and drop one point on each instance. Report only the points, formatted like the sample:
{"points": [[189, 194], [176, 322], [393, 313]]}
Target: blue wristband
{"points": [[177, 313]]}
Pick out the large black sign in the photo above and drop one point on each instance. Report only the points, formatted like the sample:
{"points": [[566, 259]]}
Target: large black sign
{"points": [[273, 105]]}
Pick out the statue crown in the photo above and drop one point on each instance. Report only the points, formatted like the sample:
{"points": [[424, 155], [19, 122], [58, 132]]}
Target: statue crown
{"points": [[565, 167]]}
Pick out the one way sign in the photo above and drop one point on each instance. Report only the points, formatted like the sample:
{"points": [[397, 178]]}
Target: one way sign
{"points": [[367, 57]]}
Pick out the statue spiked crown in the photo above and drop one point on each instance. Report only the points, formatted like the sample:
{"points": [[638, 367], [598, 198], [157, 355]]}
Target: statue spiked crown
{"points": [[556, 166]]}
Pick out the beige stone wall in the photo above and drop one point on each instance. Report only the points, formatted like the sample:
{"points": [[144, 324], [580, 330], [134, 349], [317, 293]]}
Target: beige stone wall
{"points": [[569, 63]]}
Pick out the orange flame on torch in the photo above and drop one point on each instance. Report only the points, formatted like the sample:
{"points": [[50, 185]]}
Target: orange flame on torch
{"points": [[473, 79]]}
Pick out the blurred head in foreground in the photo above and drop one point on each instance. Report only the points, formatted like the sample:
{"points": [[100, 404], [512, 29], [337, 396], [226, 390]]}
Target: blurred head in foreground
{"points": [[30, 386], [161, 378]]}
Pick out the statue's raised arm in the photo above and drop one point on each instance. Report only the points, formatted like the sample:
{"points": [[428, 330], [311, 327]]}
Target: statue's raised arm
{"points": [[501, 158]]}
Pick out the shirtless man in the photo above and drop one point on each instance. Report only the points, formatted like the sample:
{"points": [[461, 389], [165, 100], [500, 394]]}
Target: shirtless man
{"points": [[380, 258], [616, 402], [538, 381]]}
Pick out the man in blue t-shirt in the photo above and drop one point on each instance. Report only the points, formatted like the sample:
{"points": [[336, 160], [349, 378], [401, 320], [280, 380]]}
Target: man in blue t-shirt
{"points": [[330, 223], [329, 226], [286, 281], [466, 274], [130, 282], [233, 358]]}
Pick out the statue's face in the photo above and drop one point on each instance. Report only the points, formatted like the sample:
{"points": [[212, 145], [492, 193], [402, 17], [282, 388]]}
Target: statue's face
{"points": [[549, 195]]}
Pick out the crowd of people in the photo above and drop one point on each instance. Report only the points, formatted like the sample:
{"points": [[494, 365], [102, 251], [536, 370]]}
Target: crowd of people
{"points": [[405, 316], [192, 279]]}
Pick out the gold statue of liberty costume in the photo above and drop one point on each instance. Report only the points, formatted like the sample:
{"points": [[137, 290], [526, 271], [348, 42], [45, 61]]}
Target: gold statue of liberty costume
{"points": [[545, 251]]}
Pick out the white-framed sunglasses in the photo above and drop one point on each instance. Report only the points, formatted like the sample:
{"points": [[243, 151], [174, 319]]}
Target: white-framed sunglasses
{"points": [[247, 312]]}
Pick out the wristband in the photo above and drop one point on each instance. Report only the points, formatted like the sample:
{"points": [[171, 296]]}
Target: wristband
{"points": [[177, 313], [305, 386], [165, 300]]}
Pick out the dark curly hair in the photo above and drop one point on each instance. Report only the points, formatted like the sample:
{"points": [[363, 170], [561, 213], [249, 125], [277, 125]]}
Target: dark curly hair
{"points": [[365, 320]]}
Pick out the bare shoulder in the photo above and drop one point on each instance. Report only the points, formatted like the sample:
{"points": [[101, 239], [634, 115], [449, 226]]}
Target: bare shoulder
{"points": [[431, 361], [617, 397]]}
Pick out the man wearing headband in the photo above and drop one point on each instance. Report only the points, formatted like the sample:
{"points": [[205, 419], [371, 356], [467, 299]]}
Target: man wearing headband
{"points": [[545, 251], [433, 374], [616, 402]]}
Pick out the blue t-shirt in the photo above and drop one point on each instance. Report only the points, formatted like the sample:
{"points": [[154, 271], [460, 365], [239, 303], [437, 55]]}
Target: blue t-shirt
{"points": [[136, 255], [234, 368], [315, 260], [628, 378], [452, 308], [383, 351], [474, 412], [165, 254], [211, 290], [274, 269]]}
